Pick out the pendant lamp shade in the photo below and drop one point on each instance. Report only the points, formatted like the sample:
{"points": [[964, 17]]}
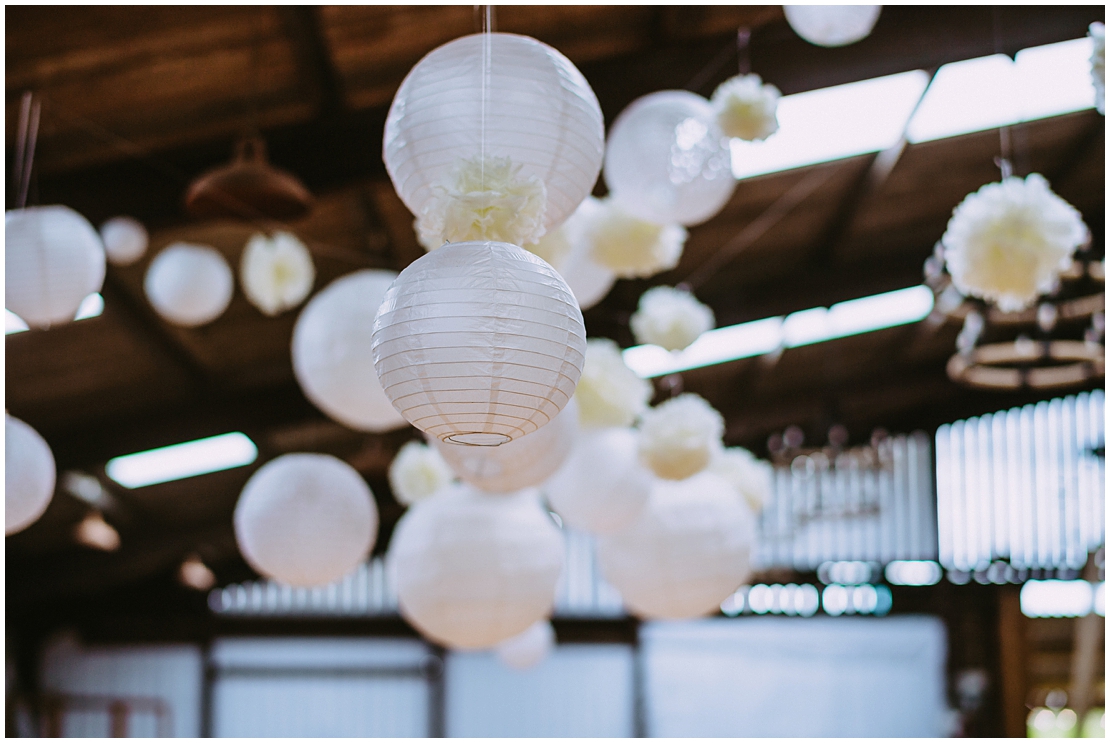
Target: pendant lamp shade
{"points": [[832, 25], [28, 475], [306, 519], [53, 259], [472, 570], [667, 161], [479, 343], [507, 168], [189, 285], [602, 486], [248, 188], [522, 463], [332, 360], [685, 553]]}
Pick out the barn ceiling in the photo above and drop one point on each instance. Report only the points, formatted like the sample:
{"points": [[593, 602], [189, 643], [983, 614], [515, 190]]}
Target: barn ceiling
{"points": [[138, 101]]}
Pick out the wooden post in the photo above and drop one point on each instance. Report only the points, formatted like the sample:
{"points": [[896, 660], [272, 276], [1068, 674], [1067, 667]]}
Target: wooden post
{"points": [[1013, 652]]}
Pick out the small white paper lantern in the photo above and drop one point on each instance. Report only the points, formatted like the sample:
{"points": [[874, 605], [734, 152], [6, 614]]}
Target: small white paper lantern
{"points": [[306, 519], [472, 570], [332, 358], [29, 475], [536, 159], [276, 272], [125, 240], [53, 259], [529, 648], [602, 487], [667, 161], [679, 438], [685, 553], [570, 252], [479, 343], [189, 285], [832, 25], [521, 463]]}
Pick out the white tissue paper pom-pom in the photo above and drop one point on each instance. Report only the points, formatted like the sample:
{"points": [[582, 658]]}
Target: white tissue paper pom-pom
{"points": [[631, 247], [125, 240], [746, 108], [1097, 32], [418, 472], [679, 437], [528, 648], [1008, 242], [689, 548], [751, 477], [487, 199], [603, 485], [471, 569], [276, 272], [609, 393], [670, 318]]}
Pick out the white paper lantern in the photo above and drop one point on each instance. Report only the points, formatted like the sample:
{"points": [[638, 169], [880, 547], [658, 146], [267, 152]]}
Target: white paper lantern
{"points": [[667, 161], [688, 550], [529, 648], [602, 487], [53, 259], [508, 168], [332, 358], [521, 463], [306, 519], [588, 280], [276, 272], [125, 240], [29, 475], [832, 25], [479, 343], [679, 438], [471, 569], [189, 285], [570, 252]]}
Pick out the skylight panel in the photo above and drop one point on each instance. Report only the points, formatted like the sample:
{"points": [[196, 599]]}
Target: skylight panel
{"points": [[833, 123], [179, 461], [990, 92]]}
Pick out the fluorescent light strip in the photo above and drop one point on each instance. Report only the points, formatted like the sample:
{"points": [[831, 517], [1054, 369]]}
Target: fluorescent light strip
{"points": [[91, 306], [802, 328], [833, 123], [179, 461], [913, 573], [995, 91], [1059, 598]]}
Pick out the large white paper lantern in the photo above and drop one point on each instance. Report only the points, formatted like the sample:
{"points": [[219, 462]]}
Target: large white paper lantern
{"points": [[471, 569], [29, 475], [125, 240], [667, 161], [686, 552], [504, 158], [521, 463], [479, 343], [189, 285], [306, 519], [529, 648], [53, 259], [332, 359], [602, 487], [832, 25]]}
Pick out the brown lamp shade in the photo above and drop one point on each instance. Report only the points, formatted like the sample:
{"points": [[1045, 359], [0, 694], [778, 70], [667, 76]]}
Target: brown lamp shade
{"points": [[248, 188]]}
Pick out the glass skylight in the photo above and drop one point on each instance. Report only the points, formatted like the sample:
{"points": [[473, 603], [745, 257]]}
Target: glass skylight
{"points": [[91, 306], [989, 92], [758, 337], [833, 123], [179, 461]]}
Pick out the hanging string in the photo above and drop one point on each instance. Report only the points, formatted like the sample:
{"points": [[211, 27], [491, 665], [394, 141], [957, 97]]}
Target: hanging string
{"points": [[743, 50], [487, 54], [30, 109], [1005, 161]]}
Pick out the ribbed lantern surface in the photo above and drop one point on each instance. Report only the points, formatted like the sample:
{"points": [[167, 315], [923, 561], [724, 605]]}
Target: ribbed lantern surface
{"points": [[667, 161], [479, 343], [537, 110]]}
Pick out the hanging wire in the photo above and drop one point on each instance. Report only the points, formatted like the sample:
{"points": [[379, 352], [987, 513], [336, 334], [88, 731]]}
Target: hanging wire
{"points": [[30, 109], [1005, 161], [487, 54]]}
